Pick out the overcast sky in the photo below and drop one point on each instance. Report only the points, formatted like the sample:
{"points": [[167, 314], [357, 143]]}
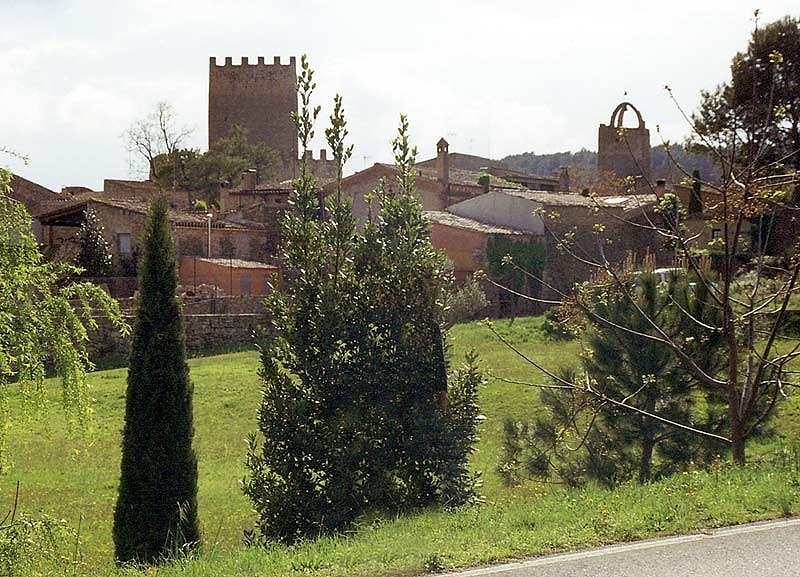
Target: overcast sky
{"points": [[493, 78]]}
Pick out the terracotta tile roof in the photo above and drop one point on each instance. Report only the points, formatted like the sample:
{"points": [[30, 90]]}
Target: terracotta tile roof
{"points": [[466, 177], [179, 217], [450, 219], [237, 263], [565, 199]]}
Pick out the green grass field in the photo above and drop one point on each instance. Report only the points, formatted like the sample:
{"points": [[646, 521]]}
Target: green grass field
{"points": [[75, 478]]}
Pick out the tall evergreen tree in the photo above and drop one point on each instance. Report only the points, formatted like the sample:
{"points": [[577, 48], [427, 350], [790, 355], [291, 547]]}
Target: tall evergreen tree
{"points": [[156, 513], [355, 414]]}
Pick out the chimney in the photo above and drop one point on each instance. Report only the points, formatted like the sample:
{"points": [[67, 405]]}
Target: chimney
{"points": [[323, 154], [661, 187], [443, 161], [249, 179], [563, 179]]}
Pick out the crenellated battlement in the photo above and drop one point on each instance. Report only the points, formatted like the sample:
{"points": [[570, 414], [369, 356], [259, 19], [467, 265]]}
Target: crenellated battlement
{"points": [[245, 61]]}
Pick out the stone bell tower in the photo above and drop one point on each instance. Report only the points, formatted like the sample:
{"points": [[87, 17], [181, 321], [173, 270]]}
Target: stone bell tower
{"points": [[622, 150]]}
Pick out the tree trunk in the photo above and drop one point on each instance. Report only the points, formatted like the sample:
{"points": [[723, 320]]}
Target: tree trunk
{"points": [[737, 438], [646, 459], [647, 429]]}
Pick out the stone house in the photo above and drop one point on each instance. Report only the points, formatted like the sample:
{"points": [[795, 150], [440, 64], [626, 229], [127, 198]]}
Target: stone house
{"points": [[231, 276], [464, 240], [599, 228], [704, 224], [35, 197], [123, 222]]}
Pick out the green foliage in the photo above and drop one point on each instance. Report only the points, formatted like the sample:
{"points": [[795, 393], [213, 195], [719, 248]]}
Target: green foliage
{"points": [[532, 518], [94, 252], [35, 545], [760, 106], [39, 328], [555, 326], [467, 303], [156, 512], [222, 165], [355, 414], [517, 265], [586, 434]]}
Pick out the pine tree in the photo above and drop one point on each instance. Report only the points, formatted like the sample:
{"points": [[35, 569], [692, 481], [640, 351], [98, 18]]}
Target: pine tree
{"points": [[156, 512], [583, 435]]}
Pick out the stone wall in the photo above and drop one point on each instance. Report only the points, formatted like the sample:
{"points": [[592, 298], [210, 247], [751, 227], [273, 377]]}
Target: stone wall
{"points": [[205, 333], [624, 240], [256, 244], [34, 196], [219, 305]]}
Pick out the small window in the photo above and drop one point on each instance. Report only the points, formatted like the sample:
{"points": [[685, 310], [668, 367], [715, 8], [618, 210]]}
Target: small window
{"points": [[716, 233], [245, 283], [124, 243]]}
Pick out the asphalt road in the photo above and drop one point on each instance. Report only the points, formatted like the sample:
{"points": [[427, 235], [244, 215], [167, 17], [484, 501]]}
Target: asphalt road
{"points": [[769, 549]]}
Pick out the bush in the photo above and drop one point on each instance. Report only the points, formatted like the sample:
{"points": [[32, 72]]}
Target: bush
{"points": [[35, 546], [466, 304], [94, 252]]}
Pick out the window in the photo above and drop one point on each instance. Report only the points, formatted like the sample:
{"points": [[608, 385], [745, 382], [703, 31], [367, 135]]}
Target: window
{"points": [[245, 283], [716, 233], [124, 243]]}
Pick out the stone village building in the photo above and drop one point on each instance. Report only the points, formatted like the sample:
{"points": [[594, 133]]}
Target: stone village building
{"points": [[468, 199], [243, 245]]}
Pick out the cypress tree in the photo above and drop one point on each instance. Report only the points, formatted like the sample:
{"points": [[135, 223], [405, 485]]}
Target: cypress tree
{"points": [[156, 512]]}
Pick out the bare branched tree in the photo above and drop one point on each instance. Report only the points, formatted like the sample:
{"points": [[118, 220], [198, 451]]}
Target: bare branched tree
{"points": [[158, 133]]}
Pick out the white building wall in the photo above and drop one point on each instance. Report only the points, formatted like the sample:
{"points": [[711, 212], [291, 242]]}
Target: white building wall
{"points": [[503, 210]]}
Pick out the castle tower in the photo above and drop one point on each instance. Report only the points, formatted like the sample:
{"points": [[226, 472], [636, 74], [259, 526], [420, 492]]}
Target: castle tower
{"points": [[624, 151], [259, 97]]}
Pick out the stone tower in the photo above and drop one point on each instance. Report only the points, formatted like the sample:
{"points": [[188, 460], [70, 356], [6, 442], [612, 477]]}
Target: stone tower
{"points": [[624, 151], [259, 97]]}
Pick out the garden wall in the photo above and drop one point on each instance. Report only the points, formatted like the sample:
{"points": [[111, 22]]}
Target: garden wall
{"points": [[205, 333]]}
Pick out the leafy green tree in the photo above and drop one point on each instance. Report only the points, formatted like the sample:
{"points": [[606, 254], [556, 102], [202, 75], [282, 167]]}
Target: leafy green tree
{"points": [[39, 328], [405, 285], [759, 108], [204, 173], [751, 126], [94, 252], [355, 413], [156, 512]]}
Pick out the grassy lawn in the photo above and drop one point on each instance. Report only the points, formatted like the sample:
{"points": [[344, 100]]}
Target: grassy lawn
{"points": [[75, 478]]}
